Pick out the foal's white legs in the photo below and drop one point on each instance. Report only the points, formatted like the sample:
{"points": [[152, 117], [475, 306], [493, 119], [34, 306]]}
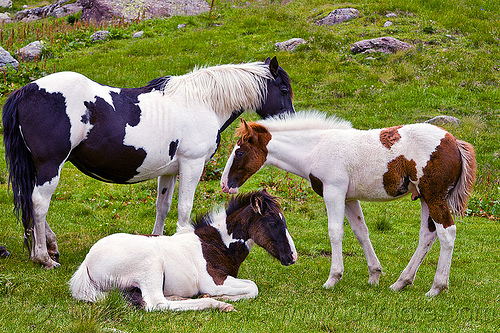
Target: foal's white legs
{"points": [[426, 239], [334, 201], [44, 238], [165, 189], [232, 289], [356, 219], [447, 240]]}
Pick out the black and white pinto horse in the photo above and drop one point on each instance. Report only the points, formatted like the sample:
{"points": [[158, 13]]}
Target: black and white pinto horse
{"points": [[169, 127], [346, 165], [203, 258]]}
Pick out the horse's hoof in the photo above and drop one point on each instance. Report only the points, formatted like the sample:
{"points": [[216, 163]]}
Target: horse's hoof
{"points": [[226, 307], [3, 252], [51, 264], [55, 256]]}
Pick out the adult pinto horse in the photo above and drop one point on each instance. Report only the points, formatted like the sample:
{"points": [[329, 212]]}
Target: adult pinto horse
{"points": [[169, 127], [203, 258], [345, 165]]}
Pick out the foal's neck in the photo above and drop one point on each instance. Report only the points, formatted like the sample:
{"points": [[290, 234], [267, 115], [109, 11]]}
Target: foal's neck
{"points": [[223, 252]]}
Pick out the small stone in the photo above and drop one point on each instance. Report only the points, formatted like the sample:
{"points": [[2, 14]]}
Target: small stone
{"points": [[180, 26], [99, 35], [387, 24], [138, 34], [391, 15], [338, 16], [290, 44], [444, 120]]}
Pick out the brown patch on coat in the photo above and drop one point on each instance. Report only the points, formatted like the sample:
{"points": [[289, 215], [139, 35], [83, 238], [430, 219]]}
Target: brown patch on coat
{"points": [[316, 184], [399, 173], [441, 174], [389, 136]]}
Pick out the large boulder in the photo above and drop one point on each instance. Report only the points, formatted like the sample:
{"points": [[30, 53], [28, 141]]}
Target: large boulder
{"points": [[58, 9], [98, 10]]}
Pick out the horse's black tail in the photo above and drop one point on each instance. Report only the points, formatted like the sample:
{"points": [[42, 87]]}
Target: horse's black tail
{"points": [[20, 164]]}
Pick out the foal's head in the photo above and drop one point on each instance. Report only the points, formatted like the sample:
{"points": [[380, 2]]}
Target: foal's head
{"points": [[279, 92], [248, 156], [259, 217]]}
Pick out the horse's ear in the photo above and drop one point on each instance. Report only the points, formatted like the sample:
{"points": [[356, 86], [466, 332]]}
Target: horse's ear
{"points": [[273, 67], [268, 60], [256, 203]]}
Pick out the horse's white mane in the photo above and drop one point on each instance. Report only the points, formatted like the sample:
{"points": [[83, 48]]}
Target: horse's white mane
{"points": [[304, 120], [224, 88]]}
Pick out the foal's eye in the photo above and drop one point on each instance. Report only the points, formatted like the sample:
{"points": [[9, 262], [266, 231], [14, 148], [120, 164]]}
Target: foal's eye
{"points": [[239, 153], [273, 224]]}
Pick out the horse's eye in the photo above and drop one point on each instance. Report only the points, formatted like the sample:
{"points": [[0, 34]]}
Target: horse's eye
{"points": [[284, 91], [239, 153], [273, 224]]}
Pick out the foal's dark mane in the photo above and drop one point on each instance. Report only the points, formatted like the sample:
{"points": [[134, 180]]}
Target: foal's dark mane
{"points": [[238, 202]]}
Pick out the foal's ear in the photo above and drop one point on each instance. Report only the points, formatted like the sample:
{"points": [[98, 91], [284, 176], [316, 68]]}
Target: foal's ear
{"points": [[256, 203], [268, 60], [273, 67]]}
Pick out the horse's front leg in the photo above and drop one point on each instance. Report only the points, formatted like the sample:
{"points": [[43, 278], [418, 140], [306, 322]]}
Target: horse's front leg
{"points": [[166, 186], [334, 201], [356, 219], [42, 234], [232, 289], [190, 171]]}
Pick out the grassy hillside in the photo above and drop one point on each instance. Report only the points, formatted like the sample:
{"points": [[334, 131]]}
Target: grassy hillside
{"points": [[453, 69]]}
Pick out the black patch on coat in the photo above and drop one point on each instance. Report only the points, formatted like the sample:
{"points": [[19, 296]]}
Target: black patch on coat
{"points": [[316, 184], [172, 149], [102, 155], [46, 129]]}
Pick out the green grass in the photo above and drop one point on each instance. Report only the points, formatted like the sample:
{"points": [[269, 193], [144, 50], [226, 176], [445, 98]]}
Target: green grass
{"points": [[453, 69]]}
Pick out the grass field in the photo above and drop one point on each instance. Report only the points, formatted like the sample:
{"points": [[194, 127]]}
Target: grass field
{"points": [[453, 69]]}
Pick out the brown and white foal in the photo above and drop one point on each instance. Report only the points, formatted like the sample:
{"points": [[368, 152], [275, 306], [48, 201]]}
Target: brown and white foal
{"points": [[345, 165], [201, 259]]}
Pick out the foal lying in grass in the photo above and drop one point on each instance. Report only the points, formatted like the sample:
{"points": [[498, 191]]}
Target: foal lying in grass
{"points": [[201, 259]]}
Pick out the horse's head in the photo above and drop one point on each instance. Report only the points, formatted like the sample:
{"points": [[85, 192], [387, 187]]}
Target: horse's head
{"points": [[279, 92], [248, 156], [265, 224]]}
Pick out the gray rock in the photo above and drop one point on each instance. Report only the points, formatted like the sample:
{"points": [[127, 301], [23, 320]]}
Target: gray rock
{"points": [[182, 25], [338, 16], [30, 52], [6, 59], [382, 44], [5, 17], [99, 10], [444, 120], [99, 35], [138, 34], [6, 3], [391, 15], [387, 24], [290, 44], [58, 9]]}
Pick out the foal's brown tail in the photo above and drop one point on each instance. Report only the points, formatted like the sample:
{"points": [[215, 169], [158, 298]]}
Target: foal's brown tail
{"points": [[459, 195]]}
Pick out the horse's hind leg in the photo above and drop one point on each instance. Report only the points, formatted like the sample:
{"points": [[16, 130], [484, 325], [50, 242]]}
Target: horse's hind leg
{"points": [[446, 232], [426, 239], [43, 237], [355, 217], [166, 186]]}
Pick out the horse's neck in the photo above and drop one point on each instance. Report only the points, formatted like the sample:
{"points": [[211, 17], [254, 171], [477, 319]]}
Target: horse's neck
{"points": [[291, 151], [220, 248]]}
